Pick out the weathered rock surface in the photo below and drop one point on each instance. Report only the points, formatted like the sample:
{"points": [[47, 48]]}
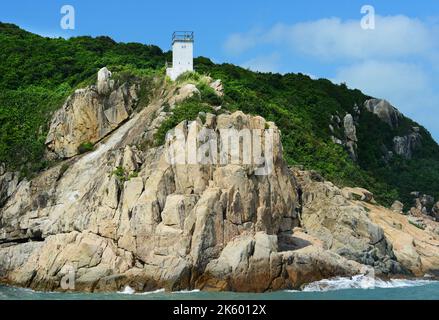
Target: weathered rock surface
{"points": [[125, 215], [90, 114], [435, 211], [384, 110], [406, 145], [8, 183], [351, 135], [155, 224], [351, 227], [415, 248], [105, 84], [349, 128], [183, 93], [397, 207], [343, 225], [358, 194], [217, 85], [424, 204]]}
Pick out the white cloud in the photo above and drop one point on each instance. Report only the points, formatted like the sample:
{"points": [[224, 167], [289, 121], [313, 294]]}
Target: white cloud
{"points": [[238, 43], [265, 63], [398, 60], [406, 85], [332, 38]]}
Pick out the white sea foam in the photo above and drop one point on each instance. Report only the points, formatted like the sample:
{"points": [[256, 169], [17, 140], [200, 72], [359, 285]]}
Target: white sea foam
{"points": [[152, 292], [187, 291], [362, 282], [129, 290]]}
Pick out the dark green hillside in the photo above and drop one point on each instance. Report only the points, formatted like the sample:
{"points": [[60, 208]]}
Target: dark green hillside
{"points": [[36, 74]]}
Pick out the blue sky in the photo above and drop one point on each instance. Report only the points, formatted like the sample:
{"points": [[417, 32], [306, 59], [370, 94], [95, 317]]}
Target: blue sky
{"points": [[398, 60]]}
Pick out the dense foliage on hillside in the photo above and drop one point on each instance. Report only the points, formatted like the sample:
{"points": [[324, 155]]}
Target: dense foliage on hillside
{"points": [[37, 74]]}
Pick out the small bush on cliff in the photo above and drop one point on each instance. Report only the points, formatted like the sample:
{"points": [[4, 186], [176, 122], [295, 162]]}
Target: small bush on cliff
{"points": [[187, 110], [123, 175], [85, 147]]}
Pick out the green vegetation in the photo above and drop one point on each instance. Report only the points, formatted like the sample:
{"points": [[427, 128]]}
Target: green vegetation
{"points": [[187, 110], [85, 147], [123, 174], [37, 74], [417, 225], [302, 108]]}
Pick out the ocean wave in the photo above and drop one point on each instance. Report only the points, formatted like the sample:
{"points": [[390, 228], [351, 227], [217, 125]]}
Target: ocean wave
{"points": [[362, 282], [187, 291], [129, 290]]}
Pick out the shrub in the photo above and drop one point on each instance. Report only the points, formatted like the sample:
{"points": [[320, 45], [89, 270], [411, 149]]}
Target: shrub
{"points": [[123, 175], [85, 147], [187, 110]]}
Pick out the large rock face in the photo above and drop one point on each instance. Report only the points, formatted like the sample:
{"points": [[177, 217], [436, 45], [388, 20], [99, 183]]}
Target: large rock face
{"points": [[350, 132], [8, 183], [406, 145], [120, 216], [384, 110], [343, 225], [176, 217], [90, 114]]}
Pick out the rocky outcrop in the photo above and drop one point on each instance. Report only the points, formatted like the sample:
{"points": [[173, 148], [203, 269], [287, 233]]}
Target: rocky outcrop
{"points": [[343, 225], [90, 114], [351, 135], [435, 211], [8, 183], [414, 243], [183, 93], [253, 263], [384, 110], [104, 85], [358, 194], [120, 216], [366, 232], [406, 145], [344, 133], [175, 217], [218, 87], [397, 207], [349, 128], [424, 204]]}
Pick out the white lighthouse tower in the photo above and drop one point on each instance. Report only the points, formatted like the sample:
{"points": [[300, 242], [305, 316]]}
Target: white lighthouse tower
{"points": [[182, 53]]}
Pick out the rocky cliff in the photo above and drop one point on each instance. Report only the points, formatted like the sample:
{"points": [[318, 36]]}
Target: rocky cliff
{"points": [[123, 214]]}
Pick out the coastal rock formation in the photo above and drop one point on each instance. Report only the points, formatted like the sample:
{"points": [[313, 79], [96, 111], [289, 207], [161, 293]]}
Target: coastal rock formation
{"points": [[195, 212], [343, 225], [120, 216], [90, 114], [366, 232], [414, 243], [384, 110]]}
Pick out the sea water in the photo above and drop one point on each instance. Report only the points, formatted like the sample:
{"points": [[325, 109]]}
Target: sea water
{"points": [[355, 288]]}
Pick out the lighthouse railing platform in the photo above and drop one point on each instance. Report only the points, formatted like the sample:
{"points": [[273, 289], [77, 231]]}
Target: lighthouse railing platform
{"points": [[183, 36]]}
